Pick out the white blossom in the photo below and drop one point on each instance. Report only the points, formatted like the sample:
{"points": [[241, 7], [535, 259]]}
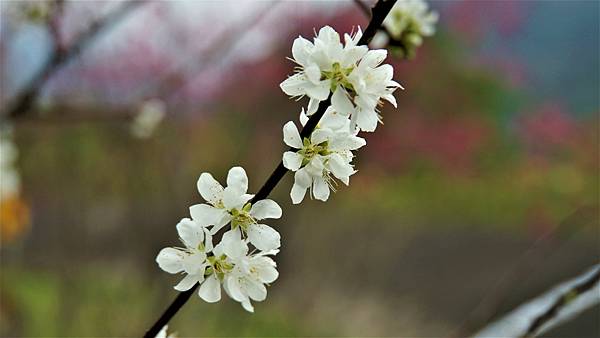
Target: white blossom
{"points": [[191, 259], [151, 113], [243, 275], [327, 153], [372, 82], [246, 280], [10, 179], [322, 65], [408, 22], [231, 204], [413, 15], [327, 66]]}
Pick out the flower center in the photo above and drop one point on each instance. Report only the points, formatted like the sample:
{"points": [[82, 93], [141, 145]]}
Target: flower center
{"points": [[310, 150], [338, 76], [242, 218], [218, 265]]}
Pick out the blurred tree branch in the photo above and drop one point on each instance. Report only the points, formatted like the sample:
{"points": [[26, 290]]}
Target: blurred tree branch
{"points": [[172, 81], [557, 306], [489, 307], [379, 12], [61, 54]]}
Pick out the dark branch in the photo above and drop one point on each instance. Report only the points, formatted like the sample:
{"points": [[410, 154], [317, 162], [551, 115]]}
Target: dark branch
{"points": [[61, 56], [380, 11]]}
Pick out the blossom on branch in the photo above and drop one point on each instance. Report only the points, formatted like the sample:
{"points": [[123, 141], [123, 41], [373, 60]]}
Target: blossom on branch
{"points": [[351, 73], [243, 274], [326, 154], [192, 259], [231, 204], [407, 24]]}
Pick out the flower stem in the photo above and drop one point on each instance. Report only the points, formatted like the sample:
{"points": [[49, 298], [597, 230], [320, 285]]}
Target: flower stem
{"points": [[379, 12]]}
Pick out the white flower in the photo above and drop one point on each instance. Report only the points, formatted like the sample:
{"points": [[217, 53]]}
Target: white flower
{"points": [[372, 82], [243, 275], [327, 152], [246, 280], [231, 204], [323, 65], [192, 259], [411, 15], [353, 74], [10, 180], [151, 113], [408, 21]]}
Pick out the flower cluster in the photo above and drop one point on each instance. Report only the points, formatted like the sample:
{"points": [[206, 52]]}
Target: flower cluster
{"points": [[352, 74], [358, 82], [242, 273], [407, 24]]}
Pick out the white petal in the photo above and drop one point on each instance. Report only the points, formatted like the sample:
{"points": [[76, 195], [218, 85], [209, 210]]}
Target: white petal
{"points": [[225, 218], [367, 120], [373, 58], [319, 91], [302, 181], [333, 120], [268, 274], [233, 198], [313, 105], [301, 50], [237, 179], [234, 289], [206, 215], [303, 116], [190, 232], [210, 290], [320, 135], [194, 263], [208, 243], [391, 99], [294, 85], [339, 167], [170, 260], [341, 102], [188, 281], [265, 209], [263, 237], [297, 194], [209, 188], [292, 160], [233, 245], [291, 136], [256, 291], [320, 189], [248, 306], [313, 73]]}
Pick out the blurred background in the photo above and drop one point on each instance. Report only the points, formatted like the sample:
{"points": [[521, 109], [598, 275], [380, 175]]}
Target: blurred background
{"points": [[479, 192]]}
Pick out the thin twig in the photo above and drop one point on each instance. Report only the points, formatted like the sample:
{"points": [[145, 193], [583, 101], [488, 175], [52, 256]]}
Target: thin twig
{"points": [[61, 56], [380, 11], [560, 303], [549, 310], [490, 304]]}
